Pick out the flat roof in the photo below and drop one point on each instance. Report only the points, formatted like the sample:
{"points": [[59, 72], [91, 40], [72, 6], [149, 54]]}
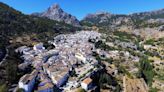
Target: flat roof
{"points": [[87, 80], [46, 86], [27, 78]]}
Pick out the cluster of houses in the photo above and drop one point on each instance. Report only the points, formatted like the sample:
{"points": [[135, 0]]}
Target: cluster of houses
{"points": [[67, 66]]}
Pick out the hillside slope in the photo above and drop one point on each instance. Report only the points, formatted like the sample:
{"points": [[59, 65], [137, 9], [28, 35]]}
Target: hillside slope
{"points": [[18, 29], [15, 24]]}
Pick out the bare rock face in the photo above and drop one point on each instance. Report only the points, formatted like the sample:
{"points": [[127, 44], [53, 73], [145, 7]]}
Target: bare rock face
{"points": [[108, 19], [54, 12]]}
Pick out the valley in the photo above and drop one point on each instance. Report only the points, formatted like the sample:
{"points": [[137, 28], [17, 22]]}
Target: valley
{"points": [[53, 51]]}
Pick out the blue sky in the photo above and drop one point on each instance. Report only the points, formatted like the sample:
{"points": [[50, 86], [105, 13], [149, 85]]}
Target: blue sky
{"points": [[80, 8]]}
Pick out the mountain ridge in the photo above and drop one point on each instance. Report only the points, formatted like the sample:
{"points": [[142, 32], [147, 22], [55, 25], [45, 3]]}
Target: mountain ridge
{"points": [[108, 19]]}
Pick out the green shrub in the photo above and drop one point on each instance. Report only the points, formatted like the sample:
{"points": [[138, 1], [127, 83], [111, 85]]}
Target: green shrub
{"points": [[153, 90], [150, 41], [146, 70], [3, 88]]}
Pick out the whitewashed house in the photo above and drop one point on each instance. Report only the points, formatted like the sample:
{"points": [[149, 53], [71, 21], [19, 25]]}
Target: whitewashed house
{"points": [[80, 57], [27, 82], [39, 47], [86, 84]]}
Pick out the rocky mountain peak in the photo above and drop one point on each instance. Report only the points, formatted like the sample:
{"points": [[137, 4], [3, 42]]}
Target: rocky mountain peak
{"points": [[54, 12], [55, 6]]}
